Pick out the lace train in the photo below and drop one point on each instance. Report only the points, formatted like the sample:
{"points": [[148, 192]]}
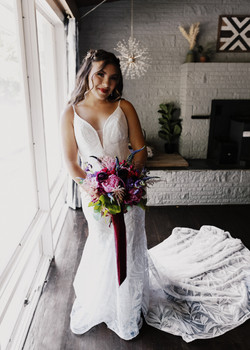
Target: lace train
{"points": [[199, 283]]}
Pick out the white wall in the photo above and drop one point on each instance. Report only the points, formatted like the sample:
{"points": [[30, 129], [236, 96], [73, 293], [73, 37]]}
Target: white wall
{"points": [[201, 83], [199, 187], [156, 26]]}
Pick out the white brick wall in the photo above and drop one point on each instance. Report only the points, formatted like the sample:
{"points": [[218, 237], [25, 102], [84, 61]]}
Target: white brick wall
{"points": [[192, 187], [200, 83], [156, 25]]}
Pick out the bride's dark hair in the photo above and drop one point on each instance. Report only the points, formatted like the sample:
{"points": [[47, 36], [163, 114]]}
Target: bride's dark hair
{"points": [[82, 77]]}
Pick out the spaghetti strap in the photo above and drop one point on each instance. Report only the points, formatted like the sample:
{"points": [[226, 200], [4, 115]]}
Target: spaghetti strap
{"points": [[73, 108]]}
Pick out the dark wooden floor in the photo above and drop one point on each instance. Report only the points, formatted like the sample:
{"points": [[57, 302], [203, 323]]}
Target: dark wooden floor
{"points": [[50, 326]]}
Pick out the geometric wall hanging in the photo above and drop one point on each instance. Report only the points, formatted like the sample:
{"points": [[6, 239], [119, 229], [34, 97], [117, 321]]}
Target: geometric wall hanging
{"points": [[233, 33]]}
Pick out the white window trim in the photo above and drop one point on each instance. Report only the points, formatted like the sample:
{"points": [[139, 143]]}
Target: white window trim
{"points": [[41, 229], [14, 270]]}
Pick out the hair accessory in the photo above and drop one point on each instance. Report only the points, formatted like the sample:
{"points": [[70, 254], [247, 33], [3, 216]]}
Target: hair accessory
{"points": [[91, 54]]}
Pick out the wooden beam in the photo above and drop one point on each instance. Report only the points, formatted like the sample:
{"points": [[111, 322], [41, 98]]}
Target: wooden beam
{"points": [[57, 9], [71, 8], [63, 9]]}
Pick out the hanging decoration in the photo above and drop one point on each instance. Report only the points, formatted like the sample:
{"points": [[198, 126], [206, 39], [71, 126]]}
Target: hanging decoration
{"points": [[134, 57]]}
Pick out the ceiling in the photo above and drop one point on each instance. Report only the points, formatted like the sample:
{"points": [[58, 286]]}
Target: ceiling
{"points": [[84, 3], [75, 6]]}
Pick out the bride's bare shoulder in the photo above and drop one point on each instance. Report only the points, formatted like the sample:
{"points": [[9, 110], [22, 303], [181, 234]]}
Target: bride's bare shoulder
{"points": [[127, 107], [68, 114], [125, 104]]}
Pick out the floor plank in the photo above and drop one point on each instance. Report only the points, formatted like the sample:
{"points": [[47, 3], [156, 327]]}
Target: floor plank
{"points": [[50, 326]]}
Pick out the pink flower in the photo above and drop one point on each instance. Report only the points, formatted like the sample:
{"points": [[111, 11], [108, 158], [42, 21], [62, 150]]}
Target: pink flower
{"points": [[90, 185], [111, 183], [108, 162]]}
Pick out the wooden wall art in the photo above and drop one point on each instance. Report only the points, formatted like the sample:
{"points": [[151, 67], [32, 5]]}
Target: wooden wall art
{"points": [[233, 33]]}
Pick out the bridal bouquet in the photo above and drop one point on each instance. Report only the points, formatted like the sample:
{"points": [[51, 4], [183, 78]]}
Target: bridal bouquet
{"points": [[113, 190], [116, 187]]}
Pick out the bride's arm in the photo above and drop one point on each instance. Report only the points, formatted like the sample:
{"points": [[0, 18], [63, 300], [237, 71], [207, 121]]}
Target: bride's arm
{"points": [[69, 145], [135, 133]]}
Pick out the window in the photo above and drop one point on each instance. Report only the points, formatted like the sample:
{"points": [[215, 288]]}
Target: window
{"points": [[18, 200], [33, 89], [47, 60]]}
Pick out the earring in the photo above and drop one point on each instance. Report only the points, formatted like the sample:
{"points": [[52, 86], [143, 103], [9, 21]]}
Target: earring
{"points": [[118, 95]]}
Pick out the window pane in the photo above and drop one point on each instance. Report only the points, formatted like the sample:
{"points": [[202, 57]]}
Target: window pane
{"points": [[18, 200], [17, 302], [46, 41]]}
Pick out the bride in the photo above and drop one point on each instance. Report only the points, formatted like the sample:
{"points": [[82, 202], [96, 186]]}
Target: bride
{"points": [[195, 284]]}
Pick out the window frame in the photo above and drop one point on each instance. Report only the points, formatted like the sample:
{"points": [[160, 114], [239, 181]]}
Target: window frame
{"points": [[40, 232]]}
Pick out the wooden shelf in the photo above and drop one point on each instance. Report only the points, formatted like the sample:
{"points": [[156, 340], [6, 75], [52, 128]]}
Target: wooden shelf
{"points": [[166, 160]]}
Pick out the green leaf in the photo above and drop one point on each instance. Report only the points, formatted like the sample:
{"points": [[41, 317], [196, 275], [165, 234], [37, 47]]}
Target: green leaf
{"points": [[161, 111], [97, 206], [175, 122], [164, 107], [166, 117], [170, 124], [102, 199], [177, 130], [162, 134], [166, 128], [113, 208]]}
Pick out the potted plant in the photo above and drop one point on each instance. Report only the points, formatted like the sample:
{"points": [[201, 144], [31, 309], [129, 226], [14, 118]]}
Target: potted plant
{"points": [[170, 126], [191, 37], [206, 52]]}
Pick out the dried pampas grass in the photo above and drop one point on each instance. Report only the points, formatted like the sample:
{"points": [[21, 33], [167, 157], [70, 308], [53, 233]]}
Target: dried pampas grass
{"points": [[192, 35]]}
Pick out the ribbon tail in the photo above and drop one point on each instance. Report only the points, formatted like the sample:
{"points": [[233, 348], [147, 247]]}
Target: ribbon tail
{"points": [[120, 245]]}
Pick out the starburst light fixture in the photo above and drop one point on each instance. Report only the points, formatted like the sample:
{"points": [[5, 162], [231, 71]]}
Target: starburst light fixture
{"points": [[134, 58]]}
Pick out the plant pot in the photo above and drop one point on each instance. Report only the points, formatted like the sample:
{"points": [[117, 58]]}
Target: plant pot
{"points": [[171, 147], [190, 56], [203, 59]]}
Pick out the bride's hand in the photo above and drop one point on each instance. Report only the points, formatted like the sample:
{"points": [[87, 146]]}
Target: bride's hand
{"points": [[139, 166]]}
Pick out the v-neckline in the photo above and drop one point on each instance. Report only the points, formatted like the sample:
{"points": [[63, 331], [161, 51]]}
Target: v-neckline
{"points": [[102, 130]]}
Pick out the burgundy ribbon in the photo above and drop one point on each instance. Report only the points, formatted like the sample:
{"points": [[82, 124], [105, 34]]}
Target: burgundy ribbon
{"points": [[120, 245]]}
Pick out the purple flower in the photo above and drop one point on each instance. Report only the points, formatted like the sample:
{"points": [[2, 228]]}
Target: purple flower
{"points": [[89, 167], [129, 183], [139, 183]]}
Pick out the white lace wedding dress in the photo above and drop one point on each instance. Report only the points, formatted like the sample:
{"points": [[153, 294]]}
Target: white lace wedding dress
{"points": [[195, 284]]}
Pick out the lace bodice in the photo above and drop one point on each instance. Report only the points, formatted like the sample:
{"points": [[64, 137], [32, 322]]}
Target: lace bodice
{"points": [[114, 137]]}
